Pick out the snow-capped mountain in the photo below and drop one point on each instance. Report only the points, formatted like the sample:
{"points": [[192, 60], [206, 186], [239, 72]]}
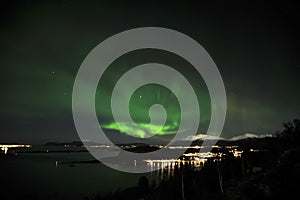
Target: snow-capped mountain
{"points": [[201, 136], [249, 135], [235, 138]]}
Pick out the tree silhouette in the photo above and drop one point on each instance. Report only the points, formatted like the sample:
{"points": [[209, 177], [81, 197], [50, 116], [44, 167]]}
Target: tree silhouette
{"points": [[290, 133]]}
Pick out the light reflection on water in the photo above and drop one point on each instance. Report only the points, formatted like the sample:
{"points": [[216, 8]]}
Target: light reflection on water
{"points": [[43, 174], [166, 168]]}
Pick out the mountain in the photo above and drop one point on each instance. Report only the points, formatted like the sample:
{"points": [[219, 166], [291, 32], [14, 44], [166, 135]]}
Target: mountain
{"points": [[201, 136], [249, 135]]}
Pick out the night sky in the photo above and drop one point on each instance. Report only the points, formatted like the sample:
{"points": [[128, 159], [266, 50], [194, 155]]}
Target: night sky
{"points": [[255, 46]]}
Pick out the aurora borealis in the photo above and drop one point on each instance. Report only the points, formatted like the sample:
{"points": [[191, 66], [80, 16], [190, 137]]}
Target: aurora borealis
{"points": [[44, 43], [146, 96]]}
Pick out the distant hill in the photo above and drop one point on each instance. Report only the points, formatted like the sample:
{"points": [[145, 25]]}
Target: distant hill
{"points": [[248, 139]]}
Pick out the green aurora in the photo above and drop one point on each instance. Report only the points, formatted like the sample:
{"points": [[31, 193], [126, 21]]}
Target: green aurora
{"points": [[44, 43], [146, 96]]}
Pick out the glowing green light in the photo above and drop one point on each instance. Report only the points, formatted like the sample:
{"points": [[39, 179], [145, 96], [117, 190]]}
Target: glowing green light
{"points": [[148, 95], [141, 130]]}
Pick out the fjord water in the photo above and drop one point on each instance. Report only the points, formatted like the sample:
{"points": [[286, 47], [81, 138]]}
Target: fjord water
{"points": [[36, 176]]}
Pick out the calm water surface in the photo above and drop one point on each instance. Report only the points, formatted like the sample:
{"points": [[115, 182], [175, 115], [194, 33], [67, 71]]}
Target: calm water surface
{"points": [[35, 175]]}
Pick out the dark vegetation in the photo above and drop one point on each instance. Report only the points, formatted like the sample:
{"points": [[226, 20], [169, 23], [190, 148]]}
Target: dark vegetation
{"points": [[272, 172]]}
